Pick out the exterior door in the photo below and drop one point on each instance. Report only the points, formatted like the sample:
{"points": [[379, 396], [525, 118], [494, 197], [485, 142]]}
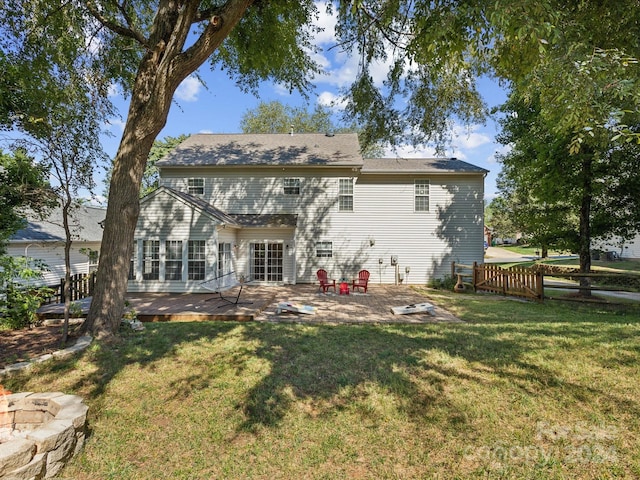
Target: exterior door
{"points": [[267, 262]]}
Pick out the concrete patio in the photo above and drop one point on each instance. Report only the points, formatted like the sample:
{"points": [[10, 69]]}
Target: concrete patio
{"points": [[259, 303]]}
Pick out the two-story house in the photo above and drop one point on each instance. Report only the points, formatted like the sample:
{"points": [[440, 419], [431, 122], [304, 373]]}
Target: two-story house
{"points": [[275, 208]]}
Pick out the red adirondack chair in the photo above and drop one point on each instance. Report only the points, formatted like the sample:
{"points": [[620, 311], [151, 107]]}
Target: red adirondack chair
{"points": [[362, 281], [325, 282]]}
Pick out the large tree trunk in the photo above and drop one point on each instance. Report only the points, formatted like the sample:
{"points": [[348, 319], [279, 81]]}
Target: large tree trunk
{"points": [[161, 70], [585, 222]]}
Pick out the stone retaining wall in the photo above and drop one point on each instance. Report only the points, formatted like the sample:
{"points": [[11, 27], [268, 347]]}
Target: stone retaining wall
{"points": [[47, 430]]}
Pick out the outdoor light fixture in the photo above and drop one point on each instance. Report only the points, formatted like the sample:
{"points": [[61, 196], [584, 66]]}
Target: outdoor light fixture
{"points": [[372, 241]]}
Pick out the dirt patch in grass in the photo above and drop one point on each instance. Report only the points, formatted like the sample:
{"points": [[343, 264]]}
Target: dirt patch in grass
{"points": [[29, 343]]}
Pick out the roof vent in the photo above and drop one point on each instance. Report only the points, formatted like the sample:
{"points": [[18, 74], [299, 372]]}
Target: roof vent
{"points": [[329, 134]]}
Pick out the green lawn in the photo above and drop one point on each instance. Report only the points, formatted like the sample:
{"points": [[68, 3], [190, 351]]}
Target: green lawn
{"points": [[521, 390]]}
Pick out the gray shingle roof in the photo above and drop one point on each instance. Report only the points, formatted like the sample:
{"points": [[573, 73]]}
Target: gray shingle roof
{"points": [[270, 221], [85, 226], [303, 149], [419, 165]]}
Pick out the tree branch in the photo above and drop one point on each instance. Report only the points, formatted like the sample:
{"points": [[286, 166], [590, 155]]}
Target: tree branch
{"points": [[221, 24], [117, 27]]}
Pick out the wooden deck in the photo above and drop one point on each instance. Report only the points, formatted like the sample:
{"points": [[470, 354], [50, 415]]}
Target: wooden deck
{"points": [[259, 303]]}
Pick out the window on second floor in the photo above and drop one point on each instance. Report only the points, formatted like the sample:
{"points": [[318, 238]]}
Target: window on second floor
{"points": [[345, 195], [196, 186], [324, 249], [421, 195], [291, 186]]}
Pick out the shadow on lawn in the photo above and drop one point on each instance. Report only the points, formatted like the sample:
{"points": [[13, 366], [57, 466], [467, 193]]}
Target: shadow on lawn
{"points": [[332, 367]]}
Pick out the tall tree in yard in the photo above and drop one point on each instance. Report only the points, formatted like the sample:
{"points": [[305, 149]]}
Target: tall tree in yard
{"points": [[432, 51], [69, 147], [561, 199]]}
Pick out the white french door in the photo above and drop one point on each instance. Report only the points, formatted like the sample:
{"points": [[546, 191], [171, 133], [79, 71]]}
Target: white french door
{"points": [[266, 262]]}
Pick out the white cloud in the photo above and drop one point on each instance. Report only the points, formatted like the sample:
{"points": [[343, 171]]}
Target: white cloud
{"points": [[331, 100], [281, 90], [469, 138], [326, 21], [116, 124], [189, 89], [113, 90], [500, 150]]}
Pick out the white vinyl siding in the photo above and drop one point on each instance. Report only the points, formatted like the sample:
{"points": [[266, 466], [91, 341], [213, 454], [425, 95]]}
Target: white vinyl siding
{"points": [[52, 255]]}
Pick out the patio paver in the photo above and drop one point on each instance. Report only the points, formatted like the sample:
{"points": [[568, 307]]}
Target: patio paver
{"points": [[358, 308]]}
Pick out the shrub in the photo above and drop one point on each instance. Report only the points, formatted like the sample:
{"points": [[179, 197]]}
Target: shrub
{"points": [[19, 300], [445, 283]]}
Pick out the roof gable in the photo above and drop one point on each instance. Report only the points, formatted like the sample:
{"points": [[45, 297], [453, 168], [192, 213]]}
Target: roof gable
{"points": [[194, 202]]}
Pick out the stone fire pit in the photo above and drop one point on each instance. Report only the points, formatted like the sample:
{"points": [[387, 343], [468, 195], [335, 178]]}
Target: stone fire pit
{"points": [[39, 433]]}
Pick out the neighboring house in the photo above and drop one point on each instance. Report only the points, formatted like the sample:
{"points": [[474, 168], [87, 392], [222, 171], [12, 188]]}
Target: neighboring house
{"points": [[626, 249], [44, 239], [275, 208]]}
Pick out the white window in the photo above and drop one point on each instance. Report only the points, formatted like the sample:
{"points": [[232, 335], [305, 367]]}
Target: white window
{"points": [[345, 195], [132, 261], [291, 186], [324, 249], [173, 264], [196, 260], [224, 259], [151, 259], [421, 195], [94, 255], [196, 186]]}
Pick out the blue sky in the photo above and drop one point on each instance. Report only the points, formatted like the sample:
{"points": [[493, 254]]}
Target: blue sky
{"points": [[218, 106]]}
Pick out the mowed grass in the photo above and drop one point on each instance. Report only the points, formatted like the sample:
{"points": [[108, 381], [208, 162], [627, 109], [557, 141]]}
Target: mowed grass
{"points": [[520, 390]]}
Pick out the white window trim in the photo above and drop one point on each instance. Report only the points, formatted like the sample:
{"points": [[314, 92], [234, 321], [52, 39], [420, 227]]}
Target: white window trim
{"points": [[294, 183], [341, 195], [324, 249], [195, 186], [419, 183]]}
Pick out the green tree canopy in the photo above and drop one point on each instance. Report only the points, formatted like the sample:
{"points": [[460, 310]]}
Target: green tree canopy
{"points": [[23, 185], [276, 117], [564, 200]]}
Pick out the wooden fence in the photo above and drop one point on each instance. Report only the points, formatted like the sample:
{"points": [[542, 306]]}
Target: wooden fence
{"points": [[514, 281], [82, 286], [527, 283]]}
